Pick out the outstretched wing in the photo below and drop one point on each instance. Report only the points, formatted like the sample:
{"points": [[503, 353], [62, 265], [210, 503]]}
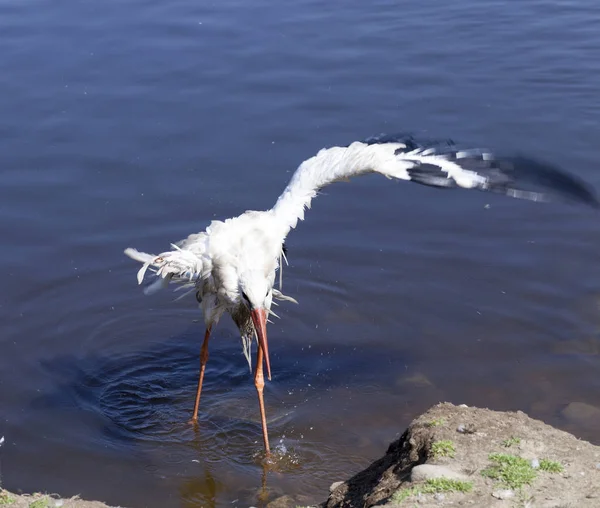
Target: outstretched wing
{"points": [[518, 177], [434, 163]]}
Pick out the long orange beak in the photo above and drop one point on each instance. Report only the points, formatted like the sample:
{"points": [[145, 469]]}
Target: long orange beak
{"points": [[259, 318]]}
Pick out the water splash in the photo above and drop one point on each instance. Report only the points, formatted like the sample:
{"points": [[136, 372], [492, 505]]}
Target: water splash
{"points": [[281, 448], [282, 459]]}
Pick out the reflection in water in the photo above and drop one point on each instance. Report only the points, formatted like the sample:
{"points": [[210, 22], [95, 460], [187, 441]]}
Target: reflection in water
{"points": [[200, 490], [203, 490]]}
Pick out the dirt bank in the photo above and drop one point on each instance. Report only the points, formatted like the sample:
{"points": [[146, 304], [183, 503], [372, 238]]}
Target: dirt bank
{"points": [[461, 456]]}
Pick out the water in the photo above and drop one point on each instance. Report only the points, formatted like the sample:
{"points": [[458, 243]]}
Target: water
{"points": [[135, 123]]}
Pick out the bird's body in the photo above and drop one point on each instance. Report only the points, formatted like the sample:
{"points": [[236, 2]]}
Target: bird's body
{"points": [[232, 265]]}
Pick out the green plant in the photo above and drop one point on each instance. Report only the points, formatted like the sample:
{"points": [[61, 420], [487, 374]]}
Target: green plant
{"points": [[510, 470], [443, 448], [433, 486], [551, 466], [42, 502], [6, 498], [507, 443], [436, 422]]}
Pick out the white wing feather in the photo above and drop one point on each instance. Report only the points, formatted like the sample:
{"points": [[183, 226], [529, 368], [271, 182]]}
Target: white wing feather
{"points": [[435, 164], [399, 157], [178, 265]]}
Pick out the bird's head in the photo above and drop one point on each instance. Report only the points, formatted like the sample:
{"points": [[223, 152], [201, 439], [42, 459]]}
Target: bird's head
{"points": [[245, 254], [255, 291]]}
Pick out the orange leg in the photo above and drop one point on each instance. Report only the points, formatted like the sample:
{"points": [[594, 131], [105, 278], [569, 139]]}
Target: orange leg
{"points": [[203, 360], [259, 382]]}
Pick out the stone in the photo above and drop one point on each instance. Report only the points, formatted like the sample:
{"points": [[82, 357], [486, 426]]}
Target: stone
{"points": [[334, 486], [424, 472], [503, 494], [282, 502], [290, 502], [581, 412], [417, 380], [469, 428]]}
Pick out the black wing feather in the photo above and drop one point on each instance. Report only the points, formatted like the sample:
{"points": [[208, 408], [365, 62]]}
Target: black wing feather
{"points": [[518, 176]]}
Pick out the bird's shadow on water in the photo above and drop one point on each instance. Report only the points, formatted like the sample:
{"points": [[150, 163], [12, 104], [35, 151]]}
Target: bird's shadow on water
{"points": [[137, 403]]}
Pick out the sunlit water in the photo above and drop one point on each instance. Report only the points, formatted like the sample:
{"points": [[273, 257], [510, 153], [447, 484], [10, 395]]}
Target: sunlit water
{"points": [[135, 123]]}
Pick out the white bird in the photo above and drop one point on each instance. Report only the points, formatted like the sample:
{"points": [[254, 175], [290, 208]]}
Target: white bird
{"points": [[232, 265]]}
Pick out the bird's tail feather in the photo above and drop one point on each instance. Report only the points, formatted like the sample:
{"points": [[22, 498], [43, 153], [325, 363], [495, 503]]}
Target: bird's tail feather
{"points": [[178, 265]]}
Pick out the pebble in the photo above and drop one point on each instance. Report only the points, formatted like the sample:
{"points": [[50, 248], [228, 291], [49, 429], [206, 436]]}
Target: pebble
{"points": [[503, 494], [334, 486], [439, 497], [466, 429], [287, 501], [535, 464], [418, 380], [424, 472], [598, 465], [580, 412]]}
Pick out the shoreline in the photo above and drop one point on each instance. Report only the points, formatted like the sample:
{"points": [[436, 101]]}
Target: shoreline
{"points": [[477, 457], [38, 500], [450, 455]]}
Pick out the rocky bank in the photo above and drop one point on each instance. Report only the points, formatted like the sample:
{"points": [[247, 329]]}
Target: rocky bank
{"points": [[464, 456]]}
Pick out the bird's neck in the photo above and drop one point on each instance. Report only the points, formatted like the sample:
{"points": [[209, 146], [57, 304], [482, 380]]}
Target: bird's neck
{"points": [[328, 166]]}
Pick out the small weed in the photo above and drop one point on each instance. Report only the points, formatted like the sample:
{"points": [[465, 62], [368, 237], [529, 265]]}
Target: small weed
{"points": [[42, 502], [511, 470], [511, 441], [433, 486], [401, 495], [436, 423], [444, 448], [551, 466], [525, 499], [6, 498], [436, 485]]}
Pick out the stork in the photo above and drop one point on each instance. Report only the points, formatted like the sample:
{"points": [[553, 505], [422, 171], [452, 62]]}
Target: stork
{"points": [[232, 265]]}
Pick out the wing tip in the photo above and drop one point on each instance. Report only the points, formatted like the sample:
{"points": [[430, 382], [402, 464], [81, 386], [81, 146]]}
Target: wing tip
{"points": [[557, 182], [527, 178]]}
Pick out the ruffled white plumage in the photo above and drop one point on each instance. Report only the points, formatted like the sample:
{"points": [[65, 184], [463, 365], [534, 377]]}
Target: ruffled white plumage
{"points": [[211, 261]]}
